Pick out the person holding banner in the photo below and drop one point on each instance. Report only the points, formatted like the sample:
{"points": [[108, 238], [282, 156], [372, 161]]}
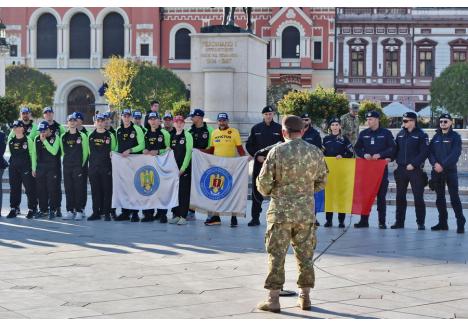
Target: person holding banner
{"points": [[101, 144], [157, 141], [339, 146], [130, 140], [75, 149], [225, 142], [182, 144], [262, 135], [376, 143], [291, 174]]}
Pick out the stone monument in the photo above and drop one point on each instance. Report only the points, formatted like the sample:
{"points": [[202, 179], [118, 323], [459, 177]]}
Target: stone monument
{"points": [[229, 74]]}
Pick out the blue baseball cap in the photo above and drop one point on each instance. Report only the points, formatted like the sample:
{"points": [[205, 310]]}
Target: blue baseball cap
{"points": [[126, 112], [25, 110], [137, 114], [197, 113], [373, 114], [43, 126], [223, 116], [17, 123], [78, 115], [100, 116], [153, 115], [167, 115], [106, 115], [47, 109], [71, 117]]}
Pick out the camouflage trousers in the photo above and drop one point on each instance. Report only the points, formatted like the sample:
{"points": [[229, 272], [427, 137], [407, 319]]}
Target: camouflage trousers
{"points": [[277, 239]]}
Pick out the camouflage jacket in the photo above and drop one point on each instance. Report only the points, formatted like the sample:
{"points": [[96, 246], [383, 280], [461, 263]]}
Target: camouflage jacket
{"points": [[350, 127], [291, 174]]}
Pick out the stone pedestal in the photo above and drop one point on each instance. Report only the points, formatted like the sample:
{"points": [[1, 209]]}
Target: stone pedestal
{"points": [[229, 74]]}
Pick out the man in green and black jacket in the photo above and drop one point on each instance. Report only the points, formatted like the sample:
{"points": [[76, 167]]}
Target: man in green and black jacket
{"points": [[130, 140], [75, 148], [29, 127], [20, 170]]}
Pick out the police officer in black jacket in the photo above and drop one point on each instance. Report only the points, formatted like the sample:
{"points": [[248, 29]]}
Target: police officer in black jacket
{"points": [[311, 135], [444, 151], [263, 134], [376, 143], [411, 152], [336, 145]]}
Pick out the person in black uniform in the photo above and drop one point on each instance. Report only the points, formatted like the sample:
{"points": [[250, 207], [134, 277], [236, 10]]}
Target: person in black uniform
{"points": [[130, 140], [376, 143], [74, 147], [20, 171], [154, 108], [84, 190], [29, 127], [411, 152], [182, 144], [157, 141], [47, 170], [101, 144], [262, 135], [3, 165], [108, 126], [336, 145], [444, 152], [168, 123]]}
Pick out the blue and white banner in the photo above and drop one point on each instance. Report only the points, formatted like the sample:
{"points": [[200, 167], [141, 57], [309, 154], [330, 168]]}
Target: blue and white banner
{"points": [[144, 181], [219, 184]]}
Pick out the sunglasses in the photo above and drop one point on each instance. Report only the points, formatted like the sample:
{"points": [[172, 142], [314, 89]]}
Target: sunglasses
{"points": [[444, 121]]}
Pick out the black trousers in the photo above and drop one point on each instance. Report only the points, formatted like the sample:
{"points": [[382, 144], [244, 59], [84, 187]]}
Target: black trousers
{"points": [[257, 198], [84, 190], [47, 188], [20, 176], [59, 186], [451, 179], [329, 216], [73, 178], [184, 196], [100, 179], [415, 178], [381, 199]]}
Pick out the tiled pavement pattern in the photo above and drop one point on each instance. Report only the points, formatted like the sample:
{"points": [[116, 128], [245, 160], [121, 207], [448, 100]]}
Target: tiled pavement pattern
{"points": [[67, 269]]}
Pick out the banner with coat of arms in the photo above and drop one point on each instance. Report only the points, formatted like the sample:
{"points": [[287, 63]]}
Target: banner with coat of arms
{"points": [[219, 184], [144, 181]]}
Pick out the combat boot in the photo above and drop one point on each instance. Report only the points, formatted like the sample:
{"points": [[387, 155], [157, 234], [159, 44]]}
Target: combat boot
{"points": [[304, 299], [272, 303]]}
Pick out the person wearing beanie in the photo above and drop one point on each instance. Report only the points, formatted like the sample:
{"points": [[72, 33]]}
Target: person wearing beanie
{"points": [[412, 150]]}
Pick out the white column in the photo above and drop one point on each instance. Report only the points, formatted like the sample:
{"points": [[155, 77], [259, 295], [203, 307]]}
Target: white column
{"points": [[2, 72], [59, 45], [32, 45], [127, 40], [99, 37], [66, 44], [93, 49]]}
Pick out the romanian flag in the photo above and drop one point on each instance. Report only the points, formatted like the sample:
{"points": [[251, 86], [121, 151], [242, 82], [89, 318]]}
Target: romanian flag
{"points": [[352, 185]]}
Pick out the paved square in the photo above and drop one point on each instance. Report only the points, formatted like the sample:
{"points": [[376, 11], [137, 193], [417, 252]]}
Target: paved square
{"points": [[68, 269]]}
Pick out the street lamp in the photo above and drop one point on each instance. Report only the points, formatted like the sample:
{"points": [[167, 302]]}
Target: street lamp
{"points": [[4, 50]]}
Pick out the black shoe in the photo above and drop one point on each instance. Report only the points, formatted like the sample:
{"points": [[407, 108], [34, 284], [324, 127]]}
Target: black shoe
{"points": [[51, 215], [94, 217], [460, 229], [135, 218], [122, 217], [12, 213], [113, 214], [341, 225], [317, 223], [440, 227], [397, 226], [163, 219], [382, 226], [147, 218], [361, 225], [328, 224], [41, 214], [233, 221], [58, 213], [254, 222], [31, 214], [421, 227], [107, 217]]}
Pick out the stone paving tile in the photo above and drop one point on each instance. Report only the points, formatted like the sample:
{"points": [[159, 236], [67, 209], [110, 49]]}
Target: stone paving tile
{"points": [[60, 312]]}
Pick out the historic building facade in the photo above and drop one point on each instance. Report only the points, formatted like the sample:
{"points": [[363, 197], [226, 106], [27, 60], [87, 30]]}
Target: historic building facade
{"points": [[393, 54], [72, 45]]}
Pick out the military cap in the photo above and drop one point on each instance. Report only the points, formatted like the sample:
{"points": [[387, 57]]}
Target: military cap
{"points": [[410, 115], [267, 109], [373, 114], [332, 120]]}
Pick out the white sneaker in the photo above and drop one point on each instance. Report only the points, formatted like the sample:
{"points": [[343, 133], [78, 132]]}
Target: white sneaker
{"points": [[174, 220], [79, 216], [182, 221], [68, 216]]}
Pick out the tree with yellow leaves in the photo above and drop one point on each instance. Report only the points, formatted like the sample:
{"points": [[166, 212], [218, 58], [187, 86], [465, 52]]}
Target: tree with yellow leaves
{"points": [[119, 74]]}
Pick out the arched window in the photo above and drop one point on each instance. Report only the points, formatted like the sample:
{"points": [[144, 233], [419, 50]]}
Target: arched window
{"points": [[80, 37], [81, 99], [46, 37], [113, 35], [290, 40], [182, 44]]}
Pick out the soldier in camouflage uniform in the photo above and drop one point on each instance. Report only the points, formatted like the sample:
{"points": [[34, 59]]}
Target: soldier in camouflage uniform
{"points": [[350, 123], [290, 175]]}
